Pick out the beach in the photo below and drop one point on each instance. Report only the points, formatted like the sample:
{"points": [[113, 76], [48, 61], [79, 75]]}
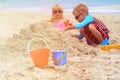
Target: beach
{"points": [[84, 62]]}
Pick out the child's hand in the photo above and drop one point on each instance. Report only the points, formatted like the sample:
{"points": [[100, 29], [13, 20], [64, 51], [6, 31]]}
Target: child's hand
{"points": [[68, 28], [65, 29], [67, 23]]}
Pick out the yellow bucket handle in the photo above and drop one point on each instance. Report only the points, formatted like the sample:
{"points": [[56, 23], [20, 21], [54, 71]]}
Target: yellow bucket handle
{"points": [[28, 45], [56, 61]]}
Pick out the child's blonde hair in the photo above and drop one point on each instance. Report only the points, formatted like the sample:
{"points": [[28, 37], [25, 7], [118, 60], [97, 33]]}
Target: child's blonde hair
{"points": [[57, 7], [81, 8]]}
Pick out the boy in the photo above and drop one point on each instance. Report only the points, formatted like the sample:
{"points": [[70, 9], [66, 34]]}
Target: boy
{"points": [[91, 28]]}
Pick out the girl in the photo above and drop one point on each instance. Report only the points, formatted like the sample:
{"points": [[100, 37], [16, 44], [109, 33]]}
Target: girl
{"points": [[57, 17]]}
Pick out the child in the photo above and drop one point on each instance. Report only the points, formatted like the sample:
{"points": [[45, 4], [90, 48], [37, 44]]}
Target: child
{"points": [[91, 28], [57, 17]]}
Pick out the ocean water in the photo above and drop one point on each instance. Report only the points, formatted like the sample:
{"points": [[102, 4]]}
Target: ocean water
{"points": [[106, 11], [95, 6], [47, 4]]}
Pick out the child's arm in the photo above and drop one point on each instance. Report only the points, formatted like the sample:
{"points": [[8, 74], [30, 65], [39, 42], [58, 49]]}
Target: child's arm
{"points": [[88, 19], [69, 28]]}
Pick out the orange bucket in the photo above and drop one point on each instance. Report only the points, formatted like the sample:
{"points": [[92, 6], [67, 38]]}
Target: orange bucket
{"points": [[40, 57]]}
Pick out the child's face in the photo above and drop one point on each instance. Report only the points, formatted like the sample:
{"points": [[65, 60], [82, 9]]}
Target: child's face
{"points": [[79, 16], [57, 13]]}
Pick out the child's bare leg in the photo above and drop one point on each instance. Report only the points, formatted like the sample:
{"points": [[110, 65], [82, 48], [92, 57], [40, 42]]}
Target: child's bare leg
{"points": [[95, 32], [86, 36]]}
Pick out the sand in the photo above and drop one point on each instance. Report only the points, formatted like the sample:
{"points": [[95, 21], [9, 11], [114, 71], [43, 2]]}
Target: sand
{"points": [[84, 62]]}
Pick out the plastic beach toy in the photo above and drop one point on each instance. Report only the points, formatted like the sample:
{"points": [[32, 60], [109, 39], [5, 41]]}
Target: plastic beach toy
{"points": [[40, 57], [59, 57], [105, 42], [67, 23], [111, 46]]}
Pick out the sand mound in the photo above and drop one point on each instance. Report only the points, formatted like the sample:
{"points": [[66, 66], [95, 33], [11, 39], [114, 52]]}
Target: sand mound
{"points": [[19, 66]]}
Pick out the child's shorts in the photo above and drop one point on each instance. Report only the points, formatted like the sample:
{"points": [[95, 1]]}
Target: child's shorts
{"points": [[92, 37]]}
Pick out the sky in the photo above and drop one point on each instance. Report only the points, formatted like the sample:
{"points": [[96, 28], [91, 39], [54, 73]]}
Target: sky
{"points": [[47, 4]]}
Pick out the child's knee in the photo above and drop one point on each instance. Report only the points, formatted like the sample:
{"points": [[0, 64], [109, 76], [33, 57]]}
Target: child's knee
{"points": [[91, 27]]}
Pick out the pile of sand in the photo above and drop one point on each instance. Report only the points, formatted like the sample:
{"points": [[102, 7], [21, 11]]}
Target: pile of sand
{"points": [[84, 62], [16, 49]]}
